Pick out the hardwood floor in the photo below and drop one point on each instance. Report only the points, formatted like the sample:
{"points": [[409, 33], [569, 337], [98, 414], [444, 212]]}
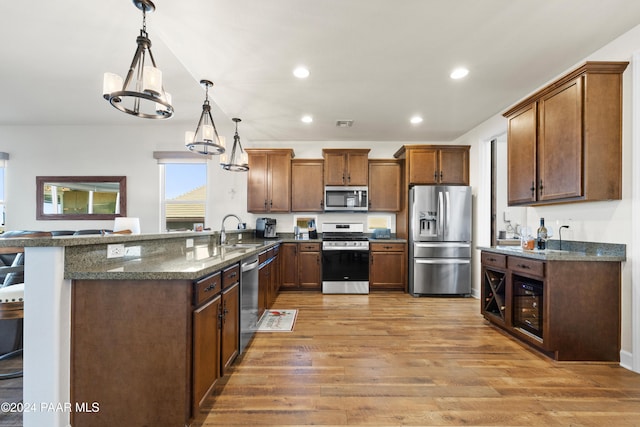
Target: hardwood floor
{"points": [[395, 360], [11, 392]]}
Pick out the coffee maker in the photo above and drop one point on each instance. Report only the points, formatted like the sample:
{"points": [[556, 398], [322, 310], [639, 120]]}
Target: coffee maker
{"points": [[266, 228]]}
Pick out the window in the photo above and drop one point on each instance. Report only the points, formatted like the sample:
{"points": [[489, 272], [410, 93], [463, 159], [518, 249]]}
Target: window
{"points": [[183, 184]]}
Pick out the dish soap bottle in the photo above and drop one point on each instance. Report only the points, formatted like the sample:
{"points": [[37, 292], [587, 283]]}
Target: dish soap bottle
{"points": [[542, 235]]}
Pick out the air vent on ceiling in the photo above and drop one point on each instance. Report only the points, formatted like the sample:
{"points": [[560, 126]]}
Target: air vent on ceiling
{"points": [[344, 123]]}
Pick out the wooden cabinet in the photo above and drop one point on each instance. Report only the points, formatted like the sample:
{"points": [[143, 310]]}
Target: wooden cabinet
{"points": [[387, 266], [206, 350], [565, 141], [230, 317], [269, 180], [307, 185], [385, 186], [435, 164], [569, 310], [346, 167], [268, 278], [301, 266]]}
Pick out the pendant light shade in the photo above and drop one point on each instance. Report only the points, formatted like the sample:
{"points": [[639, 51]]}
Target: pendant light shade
{"points": [[140, 93], [238, 160], [205, 139]]}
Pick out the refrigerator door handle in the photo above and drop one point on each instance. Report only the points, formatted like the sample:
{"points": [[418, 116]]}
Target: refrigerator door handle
{"points": [[442, 261], [447, 210], [440, 214]]}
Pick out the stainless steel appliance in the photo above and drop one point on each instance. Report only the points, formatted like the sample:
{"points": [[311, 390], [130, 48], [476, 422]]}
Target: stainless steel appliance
{"points": [[527, 305], [439, 240], [345, 259], [345, 198], [266, 228], [248, 300]]}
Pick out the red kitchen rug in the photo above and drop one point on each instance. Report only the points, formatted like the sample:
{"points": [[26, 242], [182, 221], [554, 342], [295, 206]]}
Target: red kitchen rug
{"points": [[277, 321]]}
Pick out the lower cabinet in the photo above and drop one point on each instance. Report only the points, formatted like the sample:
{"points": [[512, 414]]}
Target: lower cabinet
{"points": [[569, 310], [301, 266], [387, 266], [269, 278], [150, 351]]}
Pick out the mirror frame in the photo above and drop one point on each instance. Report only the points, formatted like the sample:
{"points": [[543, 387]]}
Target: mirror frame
{"points": [[41, 180]]}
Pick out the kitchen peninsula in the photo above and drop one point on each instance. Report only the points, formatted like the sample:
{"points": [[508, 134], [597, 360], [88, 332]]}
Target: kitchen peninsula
{"points": [[119, 326]]}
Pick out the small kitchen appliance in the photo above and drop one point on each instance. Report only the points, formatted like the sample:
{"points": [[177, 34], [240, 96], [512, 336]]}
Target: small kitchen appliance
{"points": [[266, 228]]}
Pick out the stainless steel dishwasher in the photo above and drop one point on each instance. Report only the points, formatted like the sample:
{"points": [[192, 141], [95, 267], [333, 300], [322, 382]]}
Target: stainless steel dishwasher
{"points": [[248, 300]]}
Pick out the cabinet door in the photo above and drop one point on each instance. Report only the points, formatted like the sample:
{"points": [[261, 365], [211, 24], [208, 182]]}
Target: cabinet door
{"points": [[264, 278], [385, 179], [454, 166], [279, 182], [230, 334], [334, 169], [206, 350], [357, 169], [560, 143], [257, 195], [309, 271], [307, 186], [423, 166], [289, 265], [521, 154], [387, 267]]}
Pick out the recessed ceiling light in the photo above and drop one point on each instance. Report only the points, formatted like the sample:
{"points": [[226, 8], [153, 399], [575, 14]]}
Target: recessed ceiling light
{"points": [[301, 72], [415, 120], [459, 73], [307, 119]]}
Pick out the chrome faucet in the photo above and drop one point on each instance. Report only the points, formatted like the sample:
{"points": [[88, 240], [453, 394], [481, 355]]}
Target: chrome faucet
{"points": [[223, 235], [560, 233]]}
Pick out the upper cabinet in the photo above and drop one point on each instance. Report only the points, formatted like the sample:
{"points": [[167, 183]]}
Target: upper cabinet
{"points": [[385, 185], [436, 164], [565, 141], [307, 189], [346, 167], [269, 180]]}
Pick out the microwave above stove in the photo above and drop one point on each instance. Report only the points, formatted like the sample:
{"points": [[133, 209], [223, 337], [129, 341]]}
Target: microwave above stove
{"points": [[346, 199]]}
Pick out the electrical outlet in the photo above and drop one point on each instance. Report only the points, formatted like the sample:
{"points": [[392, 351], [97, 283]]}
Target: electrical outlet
{"points": [[189, 243], [132, 251], [115, 250]]}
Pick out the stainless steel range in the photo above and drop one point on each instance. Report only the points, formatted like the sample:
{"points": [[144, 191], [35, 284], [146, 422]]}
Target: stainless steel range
{"points": [[345, 258]]}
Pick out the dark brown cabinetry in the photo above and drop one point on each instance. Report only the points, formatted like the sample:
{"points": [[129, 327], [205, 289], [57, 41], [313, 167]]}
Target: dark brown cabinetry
{"points": [[269, 180], [570, 310], [230, 317], [385, 186], [387, 266], [565, 141], [269, 278], [346, 166], [301, 266], [435, 164], [307, 188]]}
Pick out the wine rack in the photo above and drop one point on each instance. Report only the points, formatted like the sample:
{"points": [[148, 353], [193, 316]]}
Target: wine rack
{"points": [[494, 286]]}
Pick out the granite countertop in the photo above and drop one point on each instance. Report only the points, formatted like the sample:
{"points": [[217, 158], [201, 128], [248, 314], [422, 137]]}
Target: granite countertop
{"points": [[571, 251]]}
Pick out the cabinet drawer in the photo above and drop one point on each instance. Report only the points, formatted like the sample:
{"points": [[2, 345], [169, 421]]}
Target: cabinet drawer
{"points": [[526, 265], [207, 288], [494, 260], [230, 276], [309, 247], [386, 247]]}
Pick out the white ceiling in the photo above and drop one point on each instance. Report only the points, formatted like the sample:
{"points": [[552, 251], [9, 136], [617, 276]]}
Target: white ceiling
{"points": [[376, 62]]}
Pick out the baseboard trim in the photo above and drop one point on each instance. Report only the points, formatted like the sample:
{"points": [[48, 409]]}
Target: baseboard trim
{"points": [[626, 360]]}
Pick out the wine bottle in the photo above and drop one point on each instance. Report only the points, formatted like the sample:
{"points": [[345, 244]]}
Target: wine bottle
{"points": [[542, 235]]}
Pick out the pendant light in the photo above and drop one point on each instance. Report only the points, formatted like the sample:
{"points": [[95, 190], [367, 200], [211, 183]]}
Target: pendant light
{"points": [[238, 161], [205, 140], [141, 94]]}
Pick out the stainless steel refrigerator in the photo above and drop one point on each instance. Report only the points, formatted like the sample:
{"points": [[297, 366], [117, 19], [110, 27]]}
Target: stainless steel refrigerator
{"points": [[439, 240]]}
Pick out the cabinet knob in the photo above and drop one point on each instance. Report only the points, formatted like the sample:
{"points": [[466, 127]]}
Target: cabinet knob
{"points": [[441, 175], [533, 188], [541, 188]]}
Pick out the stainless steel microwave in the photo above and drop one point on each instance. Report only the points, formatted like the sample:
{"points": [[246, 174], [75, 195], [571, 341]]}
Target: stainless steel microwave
{"points": [[349, 199]]}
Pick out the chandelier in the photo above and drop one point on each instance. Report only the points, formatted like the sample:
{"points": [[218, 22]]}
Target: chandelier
{"points": [[239, 160], [205, 140], [141, 94]]}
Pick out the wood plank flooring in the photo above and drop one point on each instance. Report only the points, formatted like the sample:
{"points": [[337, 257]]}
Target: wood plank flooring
{"points": [[395, 360], [11, 392]]}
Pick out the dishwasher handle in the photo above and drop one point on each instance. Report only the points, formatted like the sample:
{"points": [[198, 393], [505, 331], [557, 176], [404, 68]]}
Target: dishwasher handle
{"points": [[251, 265]]}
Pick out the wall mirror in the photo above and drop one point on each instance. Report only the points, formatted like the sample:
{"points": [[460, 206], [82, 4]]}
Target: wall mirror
{"points": [[81, 197]]}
